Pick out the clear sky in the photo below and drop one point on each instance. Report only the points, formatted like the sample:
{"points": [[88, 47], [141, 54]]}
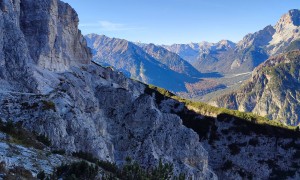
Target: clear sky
{"points": [[178, 21]]}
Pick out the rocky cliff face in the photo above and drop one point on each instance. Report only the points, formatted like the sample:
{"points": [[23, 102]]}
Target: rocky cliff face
{"points": [[287, 31], [54, 42], [273, 90], [14, 56], [43, 33], [98, 111], [51, 87]]}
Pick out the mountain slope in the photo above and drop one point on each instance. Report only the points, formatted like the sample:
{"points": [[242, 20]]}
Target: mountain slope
{"points": [[134, 62], [172, 60], [273, 90], [241, 145], [51, 87]]}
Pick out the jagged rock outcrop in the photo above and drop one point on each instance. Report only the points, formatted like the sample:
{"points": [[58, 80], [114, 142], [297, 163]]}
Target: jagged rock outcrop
{"points": [[241, 145], [287, 31], [257, 39], [273, 90], [51, 87]]}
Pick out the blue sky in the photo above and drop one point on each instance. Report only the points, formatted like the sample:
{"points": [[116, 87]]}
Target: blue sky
{"points": [[178, 21]]}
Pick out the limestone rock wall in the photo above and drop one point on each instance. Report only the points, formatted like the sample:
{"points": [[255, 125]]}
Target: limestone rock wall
{"points": [[49, 84], [52, 35]]}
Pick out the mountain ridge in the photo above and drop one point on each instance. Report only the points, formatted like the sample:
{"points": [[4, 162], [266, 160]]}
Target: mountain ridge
{"points": [[147, 63], [252, 50]]}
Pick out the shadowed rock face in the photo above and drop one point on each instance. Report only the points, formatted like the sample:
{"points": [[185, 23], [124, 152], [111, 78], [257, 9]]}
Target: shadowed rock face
{"points": [[49, 84], [15, 71]]}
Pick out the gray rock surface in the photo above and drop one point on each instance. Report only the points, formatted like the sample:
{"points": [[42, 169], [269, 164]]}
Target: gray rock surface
{"points": [[240, 149], [104, 113], [55, 43], [51, 87]]}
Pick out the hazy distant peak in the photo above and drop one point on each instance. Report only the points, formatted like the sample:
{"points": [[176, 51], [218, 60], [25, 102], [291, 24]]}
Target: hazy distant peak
{"points": [[226, 44], [93, 35], [140, 44], [258, 39]]}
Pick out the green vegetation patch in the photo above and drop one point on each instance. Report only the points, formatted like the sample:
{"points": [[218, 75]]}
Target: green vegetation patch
{"points": [[208, 110], [48, 105], [22, 136], [131, 170], [295, 45], [74, 171]]}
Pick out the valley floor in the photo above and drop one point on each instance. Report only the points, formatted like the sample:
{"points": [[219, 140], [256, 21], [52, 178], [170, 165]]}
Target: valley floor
{"points": [[216, 87]]}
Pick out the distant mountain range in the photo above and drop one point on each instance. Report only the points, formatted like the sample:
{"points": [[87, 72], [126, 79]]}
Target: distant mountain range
{"points": [[148, 63], [273, 90], [228, 57], [180, 67]]}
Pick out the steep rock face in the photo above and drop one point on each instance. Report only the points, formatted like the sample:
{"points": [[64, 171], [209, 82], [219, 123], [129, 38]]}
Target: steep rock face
{"points": [[14, 56], [51, 30], [79, 105], [273, 91], [287, 31], [135, 63], [258, 39]]}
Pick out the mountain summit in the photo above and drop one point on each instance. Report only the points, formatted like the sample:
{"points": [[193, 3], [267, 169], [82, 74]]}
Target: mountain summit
{"points": [[287, 31], [292, 17]]}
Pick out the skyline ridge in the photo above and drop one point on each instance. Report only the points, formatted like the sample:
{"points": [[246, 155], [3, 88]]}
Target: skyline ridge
{"points": [[179, 22]]}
